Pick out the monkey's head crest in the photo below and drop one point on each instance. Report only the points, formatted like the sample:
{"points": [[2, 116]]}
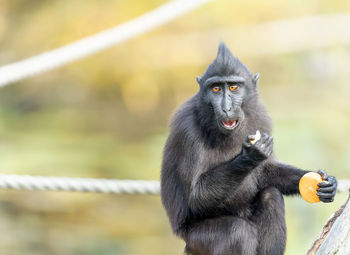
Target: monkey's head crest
{"points": [[226, 65]]}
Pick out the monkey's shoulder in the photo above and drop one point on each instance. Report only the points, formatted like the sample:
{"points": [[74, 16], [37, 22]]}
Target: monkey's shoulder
{"points": [[183, 124], [184, 114]]}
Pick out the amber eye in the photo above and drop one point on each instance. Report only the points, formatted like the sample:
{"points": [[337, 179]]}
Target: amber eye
{"points": [[216, 89], [233, 87]]}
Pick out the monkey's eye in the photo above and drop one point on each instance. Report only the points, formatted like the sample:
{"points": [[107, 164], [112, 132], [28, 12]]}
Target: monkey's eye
{"points": [[216, 89], [233, 87]]}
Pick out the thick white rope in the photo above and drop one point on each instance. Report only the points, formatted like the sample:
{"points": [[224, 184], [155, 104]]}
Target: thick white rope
{"points": [[27, 182], [58, 57]]}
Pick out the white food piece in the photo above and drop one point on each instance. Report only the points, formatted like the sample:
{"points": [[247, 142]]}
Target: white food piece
{"points": [[257, 137]]}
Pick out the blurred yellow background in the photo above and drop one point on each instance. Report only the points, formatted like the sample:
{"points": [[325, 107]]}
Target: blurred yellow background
{"points": [[106, 116]]}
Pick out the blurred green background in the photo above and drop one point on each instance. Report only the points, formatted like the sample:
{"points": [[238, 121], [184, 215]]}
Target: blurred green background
{"points": [[106, 116]]}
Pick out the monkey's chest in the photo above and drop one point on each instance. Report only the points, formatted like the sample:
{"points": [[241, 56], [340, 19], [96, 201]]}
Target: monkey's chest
{"points": [[241, 200]]}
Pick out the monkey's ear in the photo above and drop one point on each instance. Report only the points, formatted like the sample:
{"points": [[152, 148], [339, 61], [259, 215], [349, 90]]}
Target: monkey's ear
{"points": [[198, 79], [256, 78]]}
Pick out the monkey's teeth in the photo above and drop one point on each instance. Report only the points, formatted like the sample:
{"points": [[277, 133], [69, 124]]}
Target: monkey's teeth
{"points": [[229, 123]]}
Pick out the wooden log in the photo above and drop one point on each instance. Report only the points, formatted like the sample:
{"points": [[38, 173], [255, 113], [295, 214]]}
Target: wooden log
{"points": [[335, 236]]}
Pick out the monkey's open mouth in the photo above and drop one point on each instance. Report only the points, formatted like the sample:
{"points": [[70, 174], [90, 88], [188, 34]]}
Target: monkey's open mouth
{"points": [[229, 124]]}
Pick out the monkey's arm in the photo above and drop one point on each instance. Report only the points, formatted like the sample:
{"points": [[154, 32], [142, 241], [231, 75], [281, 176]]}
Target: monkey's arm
{"points": [[214, 185], [286, 178]]}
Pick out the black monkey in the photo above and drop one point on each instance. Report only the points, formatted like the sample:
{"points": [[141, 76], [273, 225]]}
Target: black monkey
{"points": [[223, 195]]}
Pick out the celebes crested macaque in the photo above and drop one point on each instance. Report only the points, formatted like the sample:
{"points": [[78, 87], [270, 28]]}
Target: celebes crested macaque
{"points": [[223, 194]]}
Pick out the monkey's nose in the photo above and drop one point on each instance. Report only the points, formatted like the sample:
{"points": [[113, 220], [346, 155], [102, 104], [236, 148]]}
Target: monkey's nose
{"points": [[227, 109]]}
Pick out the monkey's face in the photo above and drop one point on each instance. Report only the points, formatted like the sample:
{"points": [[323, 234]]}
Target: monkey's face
{"points": [[227, 87], [225, 99]]}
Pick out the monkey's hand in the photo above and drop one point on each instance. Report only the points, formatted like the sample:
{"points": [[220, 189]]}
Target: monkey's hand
{"points": [[327, 188], [260, 150]]}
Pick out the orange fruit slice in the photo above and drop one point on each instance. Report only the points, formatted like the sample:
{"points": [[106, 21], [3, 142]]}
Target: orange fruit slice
{"points": [[308, 187]]}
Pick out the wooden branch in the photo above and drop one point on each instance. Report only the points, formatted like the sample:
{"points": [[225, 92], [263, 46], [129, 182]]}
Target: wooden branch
{"points": [[335, 236]]}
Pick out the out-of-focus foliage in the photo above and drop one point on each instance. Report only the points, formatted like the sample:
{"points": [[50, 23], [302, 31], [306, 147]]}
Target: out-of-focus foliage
{"points": [[106, 116]]}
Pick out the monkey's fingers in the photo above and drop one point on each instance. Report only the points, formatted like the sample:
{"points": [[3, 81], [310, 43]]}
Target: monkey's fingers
{"points": [[251, 137], [322, 195], [326, 190], [327, 200], [325, 184], [331, 182], [268, 146], [254, 138], [247, 141], [262, 140], [323, 174], [269, 141], [264, 147], [247, 144], [269, 152]]}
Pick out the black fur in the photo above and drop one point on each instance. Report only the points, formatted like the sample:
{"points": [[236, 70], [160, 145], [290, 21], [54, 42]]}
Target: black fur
{"points": [[223, 195]]}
